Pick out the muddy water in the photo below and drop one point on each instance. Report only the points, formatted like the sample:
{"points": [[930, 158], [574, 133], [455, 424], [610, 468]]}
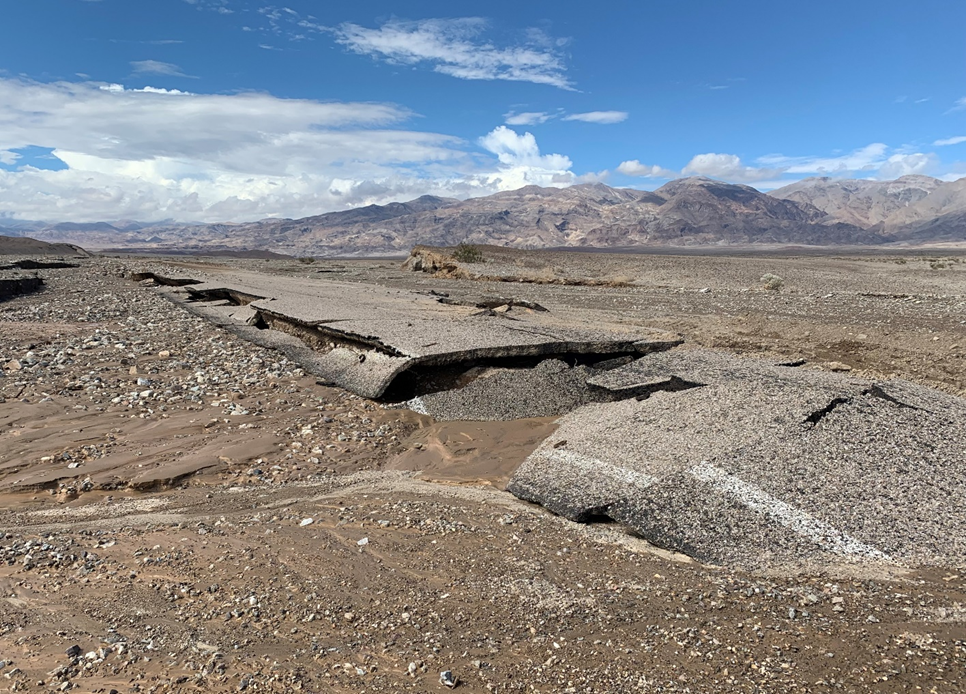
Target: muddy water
{"points": [[472, 452]]}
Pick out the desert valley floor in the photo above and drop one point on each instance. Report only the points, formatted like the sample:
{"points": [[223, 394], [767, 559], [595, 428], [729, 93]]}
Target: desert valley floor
{"points": [[182, 509]]}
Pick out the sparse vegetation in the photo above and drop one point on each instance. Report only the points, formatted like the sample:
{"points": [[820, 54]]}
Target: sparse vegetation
{"points": [[772, 283], [306, 260], [465, 253]]}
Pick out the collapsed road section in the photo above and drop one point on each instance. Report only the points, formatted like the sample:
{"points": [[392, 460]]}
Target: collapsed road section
{"points": [[758, 465], [16, 285], [393, 344], [729, 460]]}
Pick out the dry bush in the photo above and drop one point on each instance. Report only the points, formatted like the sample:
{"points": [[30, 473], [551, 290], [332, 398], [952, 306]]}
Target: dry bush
{"points": [[772, 283]]}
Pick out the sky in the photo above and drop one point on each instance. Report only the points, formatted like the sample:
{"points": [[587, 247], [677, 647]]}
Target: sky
{"points": [[231, 110]]}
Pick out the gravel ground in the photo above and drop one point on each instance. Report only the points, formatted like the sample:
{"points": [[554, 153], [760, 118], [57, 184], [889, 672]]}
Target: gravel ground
{"points": [[136, 385], [550, 389], [218, 581]]}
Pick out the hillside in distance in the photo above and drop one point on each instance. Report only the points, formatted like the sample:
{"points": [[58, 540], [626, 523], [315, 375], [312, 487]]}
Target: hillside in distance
{"points": [[860, 202], [685, 212], [912, 209]]}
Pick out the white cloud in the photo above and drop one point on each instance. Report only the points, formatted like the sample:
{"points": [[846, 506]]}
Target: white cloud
{"points": [[219, 6], [950, 141], [960, 104], [156, 67], [454, 47], [522, 164], [8, 158], [601, 117], [593, 177], [864, 159], [513, 149], [526, 118], [633, 167], [905, 164], [152, 154], [726, 166]]}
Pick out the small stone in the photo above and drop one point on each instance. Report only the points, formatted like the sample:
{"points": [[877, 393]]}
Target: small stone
{"points": [[306, 521], [164, 354], [447, 680], [74, 651], [363, 542]]}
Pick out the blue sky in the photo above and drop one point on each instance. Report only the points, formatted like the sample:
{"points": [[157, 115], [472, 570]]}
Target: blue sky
{"points": [[228, 110]]}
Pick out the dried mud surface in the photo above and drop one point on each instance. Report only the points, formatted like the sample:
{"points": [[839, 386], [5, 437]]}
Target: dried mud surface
{"points": [[225, 523]]}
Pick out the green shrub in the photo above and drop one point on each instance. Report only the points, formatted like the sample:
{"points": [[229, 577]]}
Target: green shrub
{"points": [[306, 260], [465, 253]]}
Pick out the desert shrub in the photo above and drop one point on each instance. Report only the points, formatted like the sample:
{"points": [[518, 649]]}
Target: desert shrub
{"points": [[772, 283], [307, 260], [901, 261], [936, 265], [465, 253]]}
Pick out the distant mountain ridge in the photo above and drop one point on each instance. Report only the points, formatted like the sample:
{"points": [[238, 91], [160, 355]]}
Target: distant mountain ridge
{"points": [[687, 212], [863, 203]]}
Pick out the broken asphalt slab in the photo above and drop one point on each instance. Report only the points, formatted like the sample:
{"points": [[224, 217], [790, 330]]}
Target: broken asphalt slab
{"points": [[364, 337], [761, 466]]}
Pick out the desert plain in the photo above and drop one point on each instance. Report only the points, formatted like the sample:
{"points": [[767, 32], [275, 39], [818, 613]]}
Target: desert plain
{"points": [[185, 509]]}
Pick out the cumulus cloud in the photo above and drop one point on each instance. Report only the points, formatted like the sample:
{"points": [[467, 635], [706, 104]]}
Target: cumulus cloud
{"points": [[726, 166], [601, 117], [148, 153], [156, 67], [950, 141], [875, 160], [521, 162], [633, 167], [455, 47], [513, 149], [906, 164]]}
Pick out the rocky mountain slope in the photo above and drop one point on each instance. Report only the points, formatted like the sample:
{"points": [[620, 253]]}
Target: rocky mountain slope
{"points": [[911, 208], [863, 203], [21, 245], [685, 212]]}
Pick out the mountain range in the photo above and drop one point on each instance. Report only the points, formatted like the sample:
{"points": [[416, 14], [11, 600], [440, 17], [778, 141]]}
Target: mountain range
{"points": [[687, 212]]}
